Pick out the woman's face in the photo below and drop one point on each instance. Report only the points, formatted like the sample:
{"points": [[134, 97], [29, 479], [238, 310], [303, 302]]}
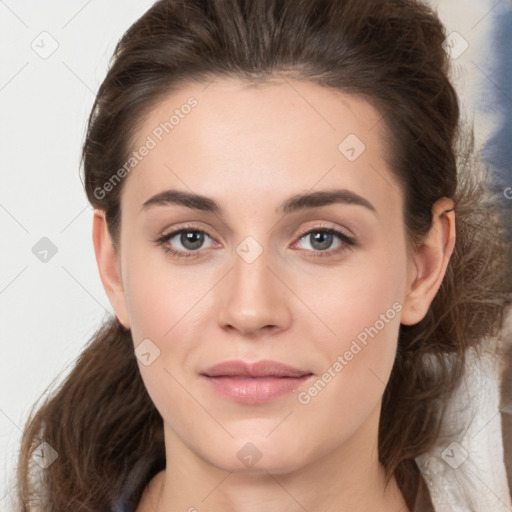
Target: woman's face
{"points": [[293, 251]]}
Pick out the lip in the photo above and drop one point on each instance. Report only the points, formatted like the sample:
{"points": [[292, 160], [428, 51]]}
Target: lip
{"points": [[253, 383], [238, 368]]}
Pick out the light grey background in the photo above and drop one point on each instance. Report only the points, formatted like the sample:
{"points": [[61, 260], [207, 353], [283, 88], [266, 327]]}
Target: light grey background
{"points": [[49, 309]]}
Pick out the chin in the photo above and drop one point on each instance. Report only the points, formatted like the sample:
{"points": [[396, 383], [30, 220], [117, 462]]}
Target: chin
{"points": [[276, 463], [258, 454]]}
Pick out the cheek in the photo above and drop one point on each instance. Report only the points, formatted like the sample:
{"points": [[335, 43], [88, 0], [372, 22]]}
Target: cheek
{"points": [[162, 304], [167, 305], [362, 297], [160, 296], [362, 309]]}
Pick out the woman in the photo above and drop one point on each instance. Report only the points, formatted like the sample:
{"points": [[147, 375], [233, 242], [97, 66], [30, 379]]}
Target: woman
{"points": [[277, 185]]}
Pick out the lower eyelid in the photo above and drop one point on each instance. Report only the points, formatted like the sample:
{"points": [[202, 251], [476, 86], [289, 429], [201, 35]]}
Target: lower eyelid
{"points": [[347, 241]]}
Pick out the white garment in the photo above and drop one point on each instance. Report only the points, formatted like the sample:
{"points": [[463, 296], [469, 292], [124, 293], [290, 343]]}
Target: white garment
{"points": [[467, 473]]}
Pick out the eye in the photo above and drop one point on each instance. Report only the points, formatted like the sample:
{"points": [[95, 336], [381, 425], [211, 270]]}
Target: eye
{"points": [[321, 240], [190, 238], [192, 241]]}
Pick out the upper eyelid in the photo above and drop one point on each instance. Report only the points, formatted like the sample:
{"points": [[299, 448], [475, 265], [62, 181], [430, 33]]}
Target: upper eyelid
{"points": [[321, 227], [302, 233]]}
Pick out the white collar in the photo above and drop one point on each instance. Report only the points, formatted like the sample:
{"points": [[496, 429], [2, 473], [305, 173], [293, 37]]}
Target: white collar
{"points": [[466, 469]]}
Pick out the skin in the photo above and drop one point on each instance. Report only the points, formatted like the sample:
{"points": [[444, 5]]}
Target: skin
{"points": [[249, 149]]}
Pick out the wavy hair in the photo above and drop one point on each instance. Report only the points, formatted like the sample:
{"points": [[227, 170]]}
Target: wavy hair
{"points": [[101, 420]]}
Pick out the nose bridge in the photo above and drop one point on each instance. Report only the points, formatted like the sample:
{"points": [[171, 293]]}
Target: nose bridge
{"points": [[254, 296], [251, 275]]}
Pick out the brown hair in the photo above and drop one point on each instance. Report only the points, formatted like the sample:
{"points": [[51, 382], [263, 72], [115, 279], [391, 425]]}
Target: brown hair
{"points": [[101, 421]]}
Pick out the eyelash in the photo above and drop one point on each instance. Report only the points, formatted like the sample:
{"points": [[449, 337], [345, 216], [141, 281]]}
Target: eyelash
{"points": [[349, 242]]}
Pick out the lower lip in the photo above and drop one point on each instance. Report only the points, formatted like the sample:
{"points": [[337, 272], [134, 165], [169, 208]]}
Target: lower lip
{"points": [[252, 390]]}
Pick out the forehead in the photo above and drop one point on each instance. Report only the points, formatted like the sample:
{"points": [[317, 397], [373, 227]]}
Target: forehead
{"points": [[227, 138]]}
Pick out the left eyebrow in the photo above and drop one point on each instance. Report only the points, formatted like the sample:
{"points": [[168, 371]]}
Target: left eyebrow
{"points": [[295, 203], [324, 198]]}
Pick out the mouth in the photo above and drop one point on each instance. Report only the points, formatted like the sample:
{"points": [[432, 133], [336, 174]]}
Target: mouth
{"points": [[253, 383]]}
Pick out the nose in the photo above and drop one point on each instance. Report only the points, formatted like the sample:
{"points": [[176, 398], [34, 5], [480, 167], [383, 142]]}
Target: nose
{"points": [[254, 298]]}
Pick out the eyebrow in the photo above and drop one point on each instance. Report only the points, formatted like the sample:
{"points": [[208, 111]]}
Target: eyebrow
{"points": [[295, 203]]}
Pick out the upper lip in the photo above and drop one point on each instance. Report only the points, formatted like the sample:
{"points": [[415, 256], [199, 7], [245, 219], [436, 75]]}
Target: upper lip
{"points": [[256, 369]]}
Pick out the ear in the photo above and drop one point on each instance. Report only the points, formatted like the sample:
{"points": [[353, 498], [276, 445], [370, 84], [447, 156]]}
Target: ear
{"points": [[429, 262], [109, 267]]}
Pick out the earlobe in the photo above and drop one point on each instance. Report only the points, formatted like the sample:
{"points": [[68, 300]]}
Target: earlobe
{"points": [[430, 260], [109, 267]]}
